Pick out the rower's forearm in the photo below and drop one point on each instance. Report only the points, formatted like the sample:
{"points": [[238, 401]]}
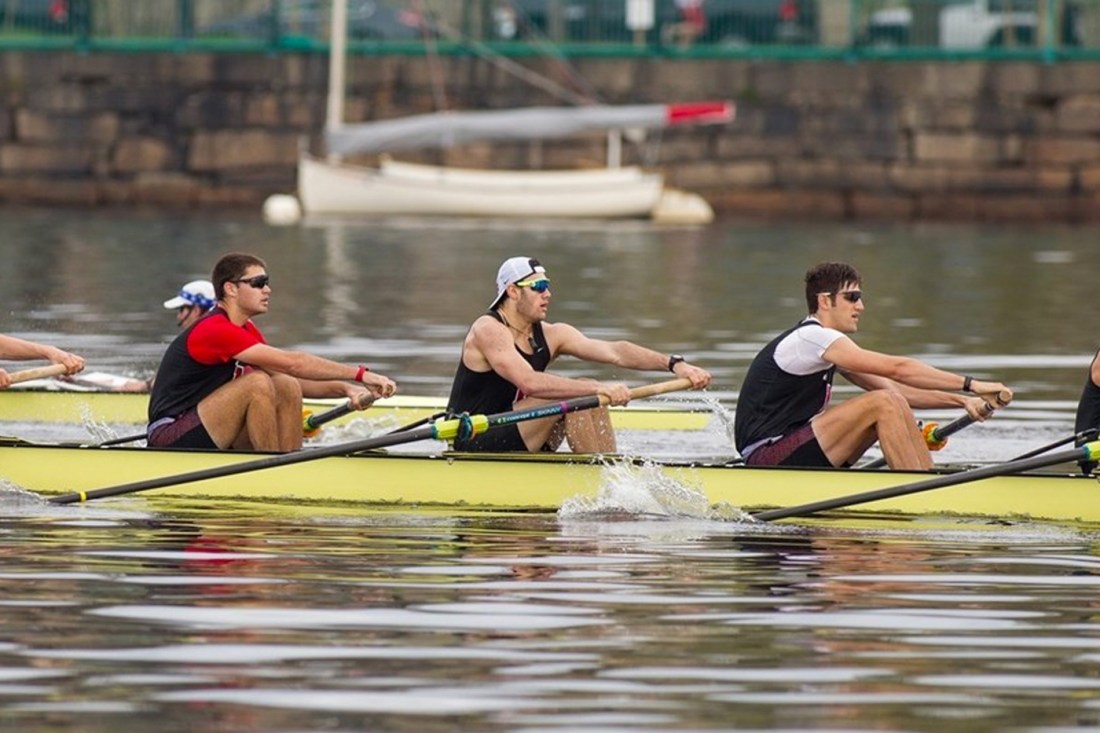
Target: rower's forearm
{"points": [[924, 376], [552, 387], [632, 356], [19, 350]]}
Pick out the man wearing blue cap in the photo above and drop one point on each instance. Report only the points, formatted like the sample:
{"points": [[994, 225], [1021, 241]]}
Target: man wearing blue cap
{"points": [[193, 300]]}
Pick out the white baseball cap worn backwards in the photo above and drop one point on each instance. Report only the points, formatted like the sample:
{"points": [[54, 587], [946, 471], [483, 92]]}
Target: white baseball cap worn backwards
{"points": [[514, 270]]}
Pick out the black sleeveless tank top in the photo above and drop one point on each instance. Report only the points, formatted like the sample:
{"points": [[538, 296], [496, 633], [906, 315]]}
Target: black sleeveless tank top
{"points": [[486, 393], [772, 402]]}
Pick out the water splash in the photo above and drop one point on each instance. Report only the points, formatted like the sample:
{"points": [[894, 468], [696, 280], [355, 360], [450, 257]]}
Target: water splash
{"points": [[14, 496], [643, 489], [101, 432], [721, 412]]}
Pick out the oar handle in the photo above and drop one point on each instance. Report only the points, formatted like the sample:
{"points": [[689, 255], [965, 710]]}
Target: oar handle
{"points": [[311, 422], [652, 390], [941, 433], [26, 375], [1002, 398]]}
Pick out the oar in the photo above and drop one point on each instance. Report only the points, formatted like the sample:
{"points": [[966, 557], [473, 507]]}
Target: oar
{"points": [[1084, 435], [440, 430], [26, 375], [418, 423], [939, 433], [1086, 452]]}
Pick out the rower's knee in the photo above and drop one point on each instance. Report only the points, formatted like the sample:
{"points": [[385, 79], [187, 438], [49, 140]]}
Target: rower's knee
{"points": [[259, 385], [287, 388], [887, 403]]}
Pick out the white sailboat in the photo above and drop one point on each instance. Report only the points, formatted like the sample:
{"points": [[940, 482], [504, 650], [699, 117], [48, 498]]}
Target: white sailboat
{"points": [[330, 186]]}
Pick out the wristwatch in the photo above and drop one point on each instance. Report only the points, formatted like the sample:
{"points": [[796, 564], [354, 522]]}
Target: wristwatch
{"points": [[673, 360]]}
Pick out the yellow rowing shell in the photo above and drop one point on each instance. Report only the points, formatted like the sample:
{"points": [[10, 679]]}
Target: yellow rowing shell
{"points": [[29, 405], [532, 482]]}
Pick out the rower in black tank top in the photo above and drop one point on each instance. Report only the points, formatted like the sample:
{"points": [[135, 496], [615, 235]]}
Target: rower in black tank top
{"points": [[487, 393]]}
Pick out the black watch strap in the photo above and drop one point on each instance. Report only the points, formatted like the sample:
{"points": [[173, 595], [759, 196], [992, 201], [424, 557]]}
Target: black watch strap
{"points": [[673, 360]]}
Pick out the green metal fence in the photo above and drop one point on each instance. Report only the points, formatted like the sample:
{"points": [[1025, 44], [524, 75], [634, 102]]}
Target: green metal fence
{"points": [[1046, 30]]}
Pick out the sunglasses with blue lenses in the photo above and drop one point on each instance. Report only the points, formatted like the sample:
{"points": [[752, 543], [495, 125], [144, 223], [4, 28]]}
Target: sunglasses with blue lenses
{"points": [[539, 286]]}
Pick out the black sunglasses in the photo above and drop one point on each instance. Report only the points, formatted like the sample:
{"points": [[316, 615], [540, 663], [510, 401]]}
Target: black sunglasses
{"points": [[852, 296], [259, 281]]}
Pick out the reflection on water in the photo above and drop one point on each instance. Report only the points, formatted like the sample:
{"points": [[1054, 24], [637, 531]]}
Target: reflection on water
{"points": [[269, 619]]}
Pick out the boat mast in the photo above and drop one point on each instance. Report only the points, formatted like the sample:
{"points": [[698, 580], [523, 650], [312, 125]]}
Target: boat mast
{"points": [[337, 60]]}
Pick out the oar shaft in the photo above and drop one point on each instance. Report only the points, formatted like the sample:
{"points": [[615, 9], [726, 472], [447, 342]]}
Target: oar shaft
{"points": [[53, 370], [1083, 436], [312, 422], [282, 459], [1085, 452]]}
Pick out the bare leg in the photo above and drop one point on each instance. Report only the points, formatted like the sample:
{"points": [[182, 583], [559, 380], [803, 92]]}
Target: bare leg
{"points": [[850, 428], [590, 431], [288, 411], [241, 413]]}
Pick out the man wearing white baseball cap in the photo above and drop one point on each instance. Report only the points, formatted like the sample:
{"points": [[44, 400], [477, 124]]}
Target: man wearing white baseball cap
{"points": [[194, 299], [503, 367]]}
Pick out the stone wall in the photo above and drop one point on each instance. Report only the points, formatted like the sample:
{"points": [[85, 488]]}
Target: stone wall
{"points": [[892, 140]]}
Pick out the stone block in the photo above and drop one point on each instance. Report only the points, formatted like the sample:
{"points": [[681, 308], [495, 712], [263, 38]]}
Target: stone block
{"points": [[1088, 178], [939, 115], [173, 189], [837, 82], [750, 146], [223, 150], [965, 80], [142, 155], [747, 174], [1014, 78], [1078, 113], [1025, 208], [779, 204], [1076, 150], [1070, 77], [938, 206], [231, 196], [962, 148], [59, 158], [32, 126], [877, 205], [48, 191]]}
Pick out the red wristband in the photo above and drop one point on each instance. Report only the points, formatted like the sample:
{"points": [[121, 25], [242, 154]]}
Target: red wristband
{"points": [[359, 374]]}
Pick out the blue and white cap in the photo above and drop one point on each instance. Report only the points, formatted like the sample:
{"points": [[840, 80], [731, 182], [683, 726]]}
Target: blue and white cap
{"points": [[196, 292], [513, 270]]}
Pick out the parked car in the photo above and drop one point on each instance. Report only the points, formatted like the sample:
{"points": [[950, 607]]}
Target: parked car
{"points": [[367, 20], [46, 16], [728, 22], [974, 25]]}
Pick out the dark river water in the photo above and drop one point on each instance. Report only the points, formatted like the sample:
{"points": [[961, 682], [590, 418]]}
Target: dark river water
{"points": [[140, 613]]}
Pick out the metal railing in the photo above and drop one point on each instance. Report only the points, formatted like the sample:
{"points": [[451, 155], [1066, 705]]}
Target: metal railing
{"points": [[1044, 30]]}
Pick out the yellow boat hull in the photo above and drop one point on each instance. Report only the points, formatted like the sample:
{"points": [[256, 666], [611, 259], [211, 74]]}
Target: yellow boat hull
{"points": [[116, 408], [529, 482]]}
